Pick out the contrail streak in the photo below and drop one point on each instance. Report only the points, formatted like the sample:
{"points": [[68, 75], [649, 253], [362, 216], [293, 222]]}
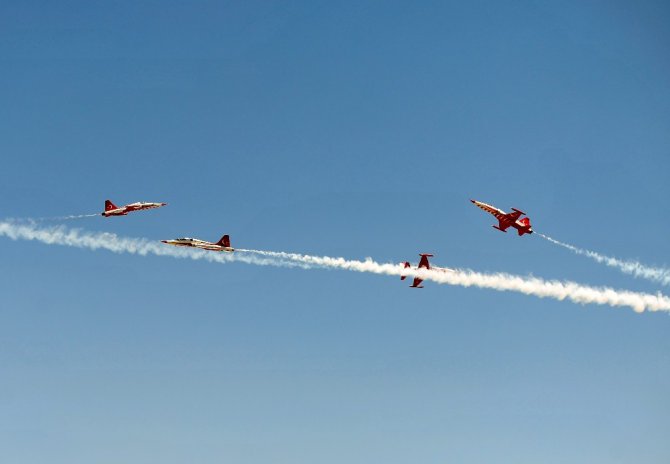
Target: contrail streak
{"points": [[74, 216], [56, 218], [559, 290], [60, 235], [634, 268]]}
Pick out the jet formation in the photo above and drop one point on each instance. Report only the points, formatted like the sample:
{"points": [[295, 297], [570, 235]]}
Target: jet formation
{"points": [[505, 221]]}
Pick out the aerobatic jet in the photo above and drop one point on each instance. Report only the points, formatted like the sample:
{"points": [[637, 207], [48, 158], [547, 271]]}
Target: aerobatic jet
{"points": [[221, 245], [423, 264], [505, 220], [112, 210]]}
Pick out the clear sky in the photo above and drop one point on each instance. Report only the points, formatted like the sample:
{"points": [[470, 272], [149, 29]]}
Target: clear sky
{"points": [[355, 130]]}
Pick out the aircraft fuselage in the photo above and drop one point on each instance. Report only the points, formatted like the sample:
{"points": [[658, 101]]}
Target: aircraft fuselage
{"points": [[520, 226]]}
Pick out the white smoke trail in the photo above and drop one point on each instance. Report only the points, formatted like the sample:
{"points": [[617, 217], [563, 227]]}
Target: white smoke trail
{"points": [[634, 268], [74, 216], [60, 235], [55, 218], [503, 282], [541, 288]]}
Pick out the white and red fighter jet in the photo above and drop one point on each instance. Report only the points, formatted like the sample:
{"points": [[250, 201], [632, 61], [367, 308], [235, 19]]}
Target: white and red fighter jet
{"points": [[505, 220], [112, 210], [423, 264], [221, 245]]}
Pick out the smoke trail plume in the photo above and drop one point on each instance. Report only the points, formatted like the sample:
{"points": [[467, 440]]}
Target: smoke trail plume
{"points": [[60, 235], [55, 218], [572, 291], [634, 268], [74, 216], [541, 288]]}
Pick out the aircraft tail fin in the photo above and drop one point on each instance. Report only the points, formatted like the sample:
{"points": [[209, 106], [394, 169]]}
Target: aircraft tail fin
{"points": [[109, 205], [526, 223], [424, 263], [225, 241]]}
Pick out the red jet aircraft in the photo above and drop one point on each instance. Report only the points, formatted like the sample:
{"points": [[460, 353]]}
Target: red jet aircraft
{"points": [[112, 210], [505, 220], [423, 264]]}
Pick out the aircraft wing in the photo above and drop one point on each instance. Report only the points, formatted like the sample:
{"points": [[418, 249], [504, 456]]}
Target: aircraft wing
{"points": [[502, 225], [208, 246], [514, 215]]}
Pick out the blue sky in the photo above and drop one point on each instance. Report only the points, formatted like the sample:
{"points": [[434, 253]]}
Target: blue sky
{"points": [[354, 130]]}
